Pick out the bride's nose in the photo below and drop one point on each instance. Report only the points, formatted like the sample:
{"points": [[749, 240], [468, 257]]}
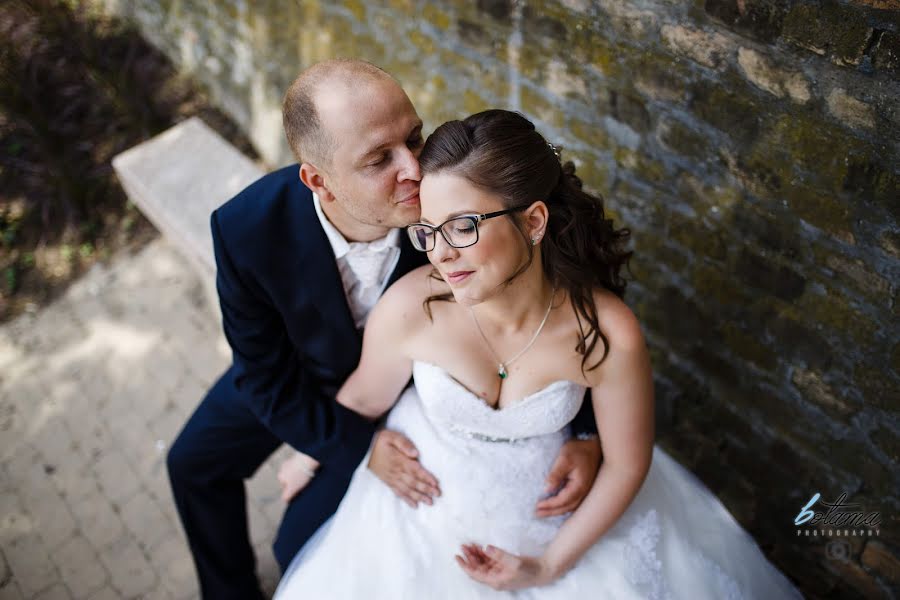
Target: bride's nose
{"points": [[443, 251]]}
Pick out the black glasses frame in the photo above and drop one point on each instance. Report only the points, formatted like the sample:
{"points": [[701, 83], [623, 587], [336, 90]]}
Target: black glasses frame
{"points": [[475, 219]]}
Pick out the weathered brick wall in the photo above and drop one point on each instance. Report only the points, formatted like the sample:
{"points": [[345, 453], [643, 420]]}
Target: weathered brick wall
{"points": [[751, 145]]}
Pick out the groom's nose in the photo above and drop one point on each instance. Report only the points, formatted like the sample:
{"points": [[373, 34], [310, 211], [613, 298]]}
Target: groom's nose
{"points": [[409, 167]]}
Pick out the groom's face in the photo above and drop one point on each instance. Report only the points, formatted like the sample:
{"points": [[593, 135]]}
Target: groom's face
{"points": [[374, 172]]}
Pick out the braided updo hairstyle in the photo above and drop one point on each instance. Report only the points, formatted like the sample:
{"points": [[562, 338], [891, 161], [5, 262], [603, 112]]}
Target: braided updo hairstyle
{"points": [[501, 152]]}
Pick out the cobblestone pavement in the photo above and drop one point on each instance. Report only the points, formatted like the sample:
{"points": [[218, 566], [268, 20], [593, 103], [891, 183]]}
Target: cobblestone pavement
{"points": [[93, 389]]}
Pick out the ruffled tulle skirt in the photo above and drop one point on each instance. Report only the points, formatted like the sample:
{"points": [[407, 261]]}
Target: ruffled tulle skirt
{"points": [[676, 540]]}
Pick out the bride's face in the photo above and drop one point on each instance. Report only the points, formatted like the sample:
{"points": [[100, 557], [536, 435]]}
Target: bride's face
{"points": [[477, 272]]}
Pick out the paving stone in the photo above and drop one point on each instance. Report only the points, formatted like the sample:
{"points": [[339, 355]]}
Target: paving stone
{"points": [[146, 522], [51, 517], [15, 521], [171, 558], [130, 572], [56, 592], [30, 564], [75, 484], [88, 410], [106, 593], [79, 567], [10, 590], [116, 476], [97, 520]]}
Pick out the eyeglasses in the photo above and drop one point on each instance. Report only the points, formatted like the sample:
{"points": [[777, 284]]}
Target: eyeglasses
{"points": [[459, 232]]}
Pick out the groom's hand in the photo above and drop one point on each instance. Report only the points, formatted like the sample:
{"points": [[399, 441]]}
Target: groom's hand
{"points": [[395, 461], [572, 475]]}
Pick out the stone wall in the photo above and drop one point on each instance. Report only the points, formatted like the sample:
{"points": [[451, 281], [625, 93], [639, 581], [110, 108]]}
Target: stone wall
{"points": [[751, 145]]}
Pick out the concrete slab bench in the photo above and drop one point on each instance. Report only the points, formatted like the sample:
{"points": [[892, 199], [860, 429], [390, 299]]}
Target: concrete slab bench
{"points": [[178, 178]]}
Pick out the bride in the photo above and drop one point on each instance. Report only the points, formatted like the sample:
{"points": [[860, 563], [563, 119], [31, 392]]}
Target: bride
{"points": [[520, 313]]}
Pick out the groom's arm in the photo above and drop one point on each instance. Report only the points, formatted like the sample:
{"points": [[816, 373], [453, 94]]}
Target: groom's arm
{"points": [[576, 466], [283, 395], [584, 424]]}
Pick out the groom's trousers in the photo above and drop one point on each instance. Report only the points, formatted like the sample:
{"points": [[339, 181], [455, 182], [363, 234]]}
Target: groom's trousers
{"points": [[223, 444]]}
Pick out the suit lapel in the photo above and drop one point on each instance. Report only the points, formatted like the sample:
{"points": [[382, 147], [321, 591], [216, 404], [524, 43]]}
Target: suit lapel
{"points": [[320, 271], [321, 275], [410, 258]]}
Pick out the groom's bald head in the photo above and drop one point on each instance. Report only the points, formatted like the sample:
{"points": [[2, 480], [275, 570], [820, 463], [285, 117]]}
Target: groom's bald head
{"points": [[308, 138]]}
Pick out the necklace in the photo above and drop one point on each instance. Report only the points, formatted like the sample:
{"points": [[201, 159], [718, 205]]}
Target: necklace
{"points": [[502, 371]]}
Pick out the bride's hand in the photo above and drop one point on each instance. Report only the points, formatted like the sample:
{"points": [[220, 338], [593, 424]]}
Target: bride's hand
{"points": [[295, 473], [503, 571]]}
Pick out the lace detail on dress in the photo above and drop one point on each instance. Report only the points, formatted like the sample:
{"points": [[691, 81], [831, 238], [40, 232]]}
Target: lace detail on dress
{"points": [[729, 588], [644, 567]]}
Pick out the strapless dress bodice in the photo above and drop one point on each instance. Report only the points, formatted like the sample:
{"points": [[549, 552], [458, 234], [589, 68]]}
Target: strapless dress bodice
{"points": [[449, 404]]}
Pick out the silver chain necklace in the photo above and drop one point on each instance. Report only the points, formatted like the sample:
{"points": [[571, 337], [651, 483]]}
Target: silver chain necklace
{"points": [[502, 371]]}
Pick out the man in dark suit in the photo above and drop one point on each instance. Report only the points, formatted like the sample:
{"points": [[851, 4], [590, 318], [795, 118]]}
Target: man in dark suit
{"points": [[299, 265]]}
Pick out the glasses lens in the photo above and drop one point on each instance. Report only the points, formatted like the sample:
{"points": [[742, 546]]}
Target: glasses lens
{"points": [[422, 238], [461, 232]]}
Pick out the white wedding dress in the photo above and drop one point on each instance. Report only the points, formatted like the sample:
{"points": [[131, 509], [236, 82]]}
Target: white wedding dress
{"points": [[675, 540]]}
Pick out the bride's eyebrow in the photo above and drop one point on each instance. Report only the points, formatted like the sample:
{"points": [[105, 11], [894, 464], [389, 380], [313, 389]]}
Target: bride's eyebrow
{"points": [[453, 215]]}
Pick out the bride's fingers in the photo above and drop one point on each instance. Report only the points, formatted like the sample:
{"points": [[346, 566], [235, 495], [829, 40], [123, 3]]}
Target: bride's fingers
{"points": [[471, 558], [503, 560], [476, 557]]}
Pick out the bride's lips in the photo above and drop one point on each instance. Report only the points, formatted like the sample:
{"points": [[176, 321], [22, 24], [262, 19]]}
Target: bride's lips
{"points": [[457, 276]]}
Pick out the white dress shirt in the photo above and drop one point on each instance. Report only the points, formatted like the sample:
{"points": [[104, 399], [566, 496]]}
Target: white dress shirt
{"points": [[365, 267]]}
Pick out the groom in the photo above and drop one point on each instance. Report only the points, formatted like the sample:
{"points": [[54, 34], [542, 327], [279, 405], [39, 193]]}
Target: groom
{"points": [[299, 266]]}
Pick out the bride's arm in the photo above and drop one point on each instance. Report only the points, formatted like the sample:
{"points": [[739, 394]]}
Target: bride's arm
{"points": [[372, 389], [622, 392], [623, 405], [384, 368]]}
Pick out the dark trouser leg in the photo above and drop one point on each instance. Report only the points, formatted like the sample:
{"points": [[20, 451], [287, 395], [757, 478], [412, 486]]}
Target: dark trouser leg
{"points": [[307, 511], [221, 445]]}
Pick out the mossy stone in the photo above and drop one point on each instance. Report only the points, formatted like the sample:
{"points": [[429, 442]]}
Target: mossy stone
{"points": [[829, 27]]}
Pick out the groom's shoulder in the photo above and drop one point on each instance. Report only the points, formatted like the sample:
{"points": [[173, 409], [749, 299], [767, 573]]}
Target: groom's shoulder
{"points": [[271, 200]]}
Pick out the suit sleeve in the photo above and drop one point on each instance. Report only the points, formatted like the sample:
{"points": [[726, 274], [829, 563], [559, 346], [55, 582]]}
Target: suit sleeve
{"points": [[584, 421], [268, 369]]}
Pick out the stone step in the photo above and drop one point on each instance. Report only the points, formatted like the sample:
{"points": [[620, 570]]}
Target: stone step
{"points": [[178, 178]]}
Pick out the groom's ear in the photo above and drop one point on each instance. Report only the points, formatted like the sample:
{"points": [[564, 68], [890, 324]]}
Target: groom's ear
{"points": [[314, 179]]}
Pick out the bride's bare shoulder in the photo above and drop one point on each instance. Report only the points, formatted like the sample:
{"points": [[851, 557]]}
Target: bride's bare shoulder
{"points": [[622, 330], [616, 318], [403, 304]]}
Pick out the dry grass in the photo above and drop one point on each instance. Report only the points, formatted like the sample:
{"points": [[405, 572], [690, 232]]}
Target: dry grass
{"points": [[76, 88]]}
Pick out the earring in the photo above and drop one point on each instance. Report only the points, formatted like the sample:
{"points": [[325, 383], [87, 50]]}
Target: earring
{"points": [[534, 241]]}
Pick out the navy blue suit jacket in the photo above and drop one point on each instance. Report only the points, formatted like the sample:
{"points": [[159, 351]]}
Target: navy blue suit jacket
{"points": [[286, 317]]}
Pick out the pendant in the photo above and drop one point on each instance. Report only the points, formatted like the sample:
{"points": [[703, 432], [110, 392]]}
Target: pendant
{"points": [[501, 371]]}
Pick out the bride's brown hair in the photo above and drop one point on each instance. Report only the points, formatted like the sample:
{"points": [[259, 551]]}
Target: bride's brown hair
{"points": [[500, 152]]}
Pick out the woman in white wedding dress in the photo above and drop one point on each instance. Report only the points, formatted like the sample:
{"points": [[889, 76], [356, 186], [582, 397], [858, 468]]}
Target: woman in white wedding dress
{"points": [[521, 314]]}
